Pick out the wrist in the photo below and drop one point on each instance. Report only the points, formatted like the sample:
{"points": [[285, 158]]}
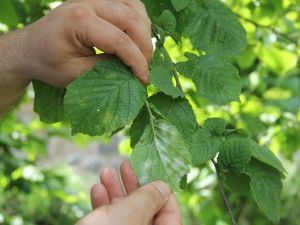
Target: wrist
{"points": [[13, 80], [13, 58]]}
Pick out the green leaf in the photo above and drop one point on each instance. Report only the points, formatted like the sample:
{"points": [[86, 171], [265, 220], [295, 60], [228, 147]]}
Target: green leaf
{"points": [[266, 186], [234, 155], [266, 156], [204, 147], [215, 125], [277, 60], [180, 4], [236, 133], [214, 78], [189, 67], [216, 30], [179, 112], [238, 183], [162, 78], [161, 58], [104, 99], [156, 7], [161, 73], [167, 21], [48, 102], [138, 126], [161, 154], [8, 14], [183, 182]]}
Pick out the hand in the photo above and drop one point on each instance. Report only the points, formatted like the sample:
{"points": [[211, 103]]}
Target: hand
{"points": [[150, 204], [59, 47]]}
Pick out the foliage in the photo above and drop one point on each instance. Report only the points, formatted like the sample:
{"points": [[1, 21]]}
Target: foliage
{"points": [[32, 194], [199, 44]]}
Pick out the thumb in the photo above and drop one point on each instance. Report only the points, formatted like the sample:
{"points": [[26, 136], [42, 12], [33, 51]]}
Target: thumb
{"points": [[141, 206]]}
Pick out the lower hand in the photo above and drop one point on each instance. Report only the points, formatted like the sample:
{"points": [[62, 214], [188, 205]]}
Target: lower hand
{"points": [[150, 204]]}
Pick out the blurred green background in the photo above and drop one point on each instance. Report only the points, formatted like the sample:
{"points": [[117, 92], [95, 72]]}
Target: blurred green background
{"points": [[45, 174]]}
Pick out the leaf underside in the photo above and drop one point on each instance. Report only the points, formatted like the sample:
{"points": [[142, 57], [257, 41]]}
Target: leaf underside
{"points": [[161, 154], [49, 102]]}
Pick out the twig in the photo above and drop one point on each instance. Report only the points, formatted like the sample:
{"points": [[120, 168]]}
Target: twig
{"points": [[155, 33], [222, 192], [177, 79], [221, 187], [284, 35], [174, 69]]}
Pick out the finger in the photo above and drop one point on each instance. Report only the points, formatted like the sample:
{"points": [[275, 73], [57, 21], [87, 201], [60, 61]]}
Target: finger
{"points": [[111, 182], [77, 66], [128, 177], [169, 213], [99, 196], [134, 25], [89, 62], [144, 203], [110, 39], [140, 9]]}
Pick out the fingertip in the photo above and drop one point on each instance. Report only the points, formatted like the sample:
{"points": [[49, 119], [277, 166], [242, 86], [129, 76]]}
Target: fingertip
{"points": [[110, 179], [129, 178], [125, 165], [162, 188], [145, 79], [147, 200], [107, 173], [99, 196]]}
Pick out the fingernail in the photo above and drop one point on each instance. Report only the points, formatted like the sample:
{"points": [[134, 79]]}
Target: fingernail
{"points": [[108, 171], [126, 163], [162, 188]]}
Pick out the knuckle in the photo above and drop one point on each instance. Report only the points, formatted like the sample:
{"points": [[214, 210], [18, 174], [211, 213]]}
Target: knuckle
{"points": [[141, 5], [132, 16], [69, 30], [153, 195], [122, 39], [78, 12]]}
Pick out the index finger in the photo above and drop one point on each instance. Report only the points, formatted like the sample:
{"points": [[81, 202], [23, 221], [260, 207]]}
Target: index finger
{"points": [[110, 39]]}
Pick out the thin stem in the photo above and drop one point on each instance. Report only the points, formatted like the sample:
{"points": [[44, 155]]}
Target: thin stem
{"points": [[152, 117], [177, 79], [221, 186], [155, 33], [174, 69], [222, 192], [284, 35]]}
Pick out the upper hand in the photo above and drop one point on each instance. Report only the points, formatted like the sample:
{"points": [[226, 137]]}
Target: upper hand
{"points": [[60, 46]]}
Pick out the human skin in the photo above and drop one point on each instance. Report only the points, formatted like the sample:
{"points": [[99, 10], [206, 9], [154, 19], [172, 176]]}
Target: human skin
{"points": [[60, 46], [152, 204]]}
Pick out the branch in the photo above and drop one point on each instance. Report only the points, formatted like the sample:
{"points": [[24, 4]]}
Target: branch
{"points": [[222, 192], [155, 33], [284, 35], [177, 79], [221, 187]]}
